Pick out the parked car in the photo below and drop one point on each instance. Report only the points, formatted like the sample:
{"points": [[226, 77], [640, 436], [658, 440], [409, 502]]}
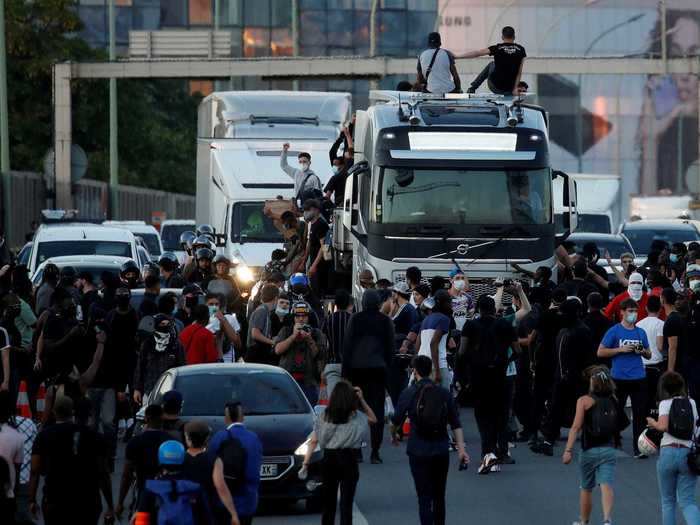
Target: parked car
{"points": [[148, 233], [275, 408], [95, 264], [170, 232], [614, 244], [642, 233], [63, 239]]}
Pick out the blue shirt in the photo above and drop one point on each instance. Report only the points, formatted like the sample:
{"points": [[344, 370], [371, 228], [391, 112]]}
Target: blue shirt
{"points": [[246, 501], [417, 445], [630, 365]]}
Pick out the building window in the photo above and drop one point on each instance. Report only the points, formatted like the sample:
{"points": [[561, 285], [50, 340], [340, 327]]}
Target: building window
{"points": [[256, 42], [205, 87], [256, 12], [200, 12], [281, 42], [312, 28], [340, 28], [281, 13], [231, 12], [173, 13]]}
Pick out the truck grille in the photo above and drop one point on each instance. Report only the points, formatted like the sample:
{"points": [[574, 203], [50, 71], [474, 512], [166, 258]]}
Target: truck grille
{"points": [[478, 287]]}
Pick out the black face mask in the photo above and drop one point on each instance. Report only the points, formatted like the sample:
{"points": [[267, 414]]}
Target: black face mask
{"points": [[191, 302]]}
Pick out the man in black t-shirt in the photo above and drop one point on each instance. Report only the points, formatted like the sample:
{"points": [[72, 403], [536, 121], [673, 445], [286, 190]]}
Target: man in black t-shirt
{"points": [[318, 227], [504, 72]]}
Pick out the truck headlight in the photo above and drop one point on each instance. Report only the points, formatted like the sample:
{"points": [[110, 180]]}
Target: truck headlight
{"points": [[244, 274], [304, 447]]}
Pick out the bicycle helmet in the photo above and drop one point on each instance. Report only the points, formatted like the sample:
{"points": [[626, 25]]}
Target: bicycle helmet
{"points": [[171, 453]]}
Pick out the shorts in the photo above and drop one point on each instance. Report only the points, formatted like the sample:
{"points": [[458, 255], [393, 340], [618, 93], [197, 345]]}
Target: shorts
{"points": [[597, 466]]}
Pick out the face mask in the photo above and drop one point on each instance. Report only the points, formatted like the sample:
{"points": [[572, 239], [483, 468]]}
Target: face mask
{"points": [[694, 285], [161, 339], [459, 285], [212, 309], [673, 258], [631, 318], [336, 169], [309, 215], [635, 291], [281, 311], [304, 166]]}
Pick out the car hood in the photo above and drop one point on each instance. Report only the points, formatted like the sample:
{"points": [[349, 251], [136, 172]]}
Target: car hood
{"points": [[280, 434]]}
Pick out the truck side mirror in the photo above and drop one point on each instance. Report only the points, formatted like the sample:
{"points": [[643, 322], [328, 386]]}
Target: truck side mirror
{"points": [[570, 215]]}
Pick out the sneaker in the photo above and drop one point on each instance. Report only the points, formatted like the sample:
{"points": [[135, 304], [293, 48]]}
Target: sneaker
{"points": [[639, 455], [506, 460], [496, 468], [487, 464], [543, 448]]}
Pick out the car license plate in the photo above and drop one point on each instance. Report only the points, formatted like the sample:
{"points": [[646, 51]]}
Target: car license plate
{"points": [[268, 470]]}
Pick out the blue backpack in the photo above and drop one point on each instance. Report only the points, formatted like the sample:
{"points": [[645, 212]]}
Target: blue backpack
{"points": [[175, 500]]}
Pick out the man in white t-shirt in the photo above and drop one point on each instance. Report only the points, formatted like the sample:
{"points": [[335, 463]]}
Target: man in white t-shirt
{"points": [[654, 367], [225, 328], [437, 72]]}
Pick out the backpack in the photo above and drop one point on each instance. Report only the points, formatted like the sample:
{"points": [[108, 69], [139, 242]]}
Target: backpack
{"points": [[431, 412], [234, 458], [604, 421], [681, 421], [175, 500]]}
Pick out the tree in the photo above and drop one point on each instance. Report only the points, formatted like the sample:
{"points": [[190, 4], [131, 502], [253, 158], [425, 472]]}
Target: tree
{"points": [[157, 118]]}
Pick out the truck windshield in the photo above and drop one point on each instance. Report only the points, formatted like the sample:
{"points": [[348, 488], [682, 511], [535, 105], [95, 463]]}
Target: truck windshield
{"points": [[251, 225], [417, 196]]}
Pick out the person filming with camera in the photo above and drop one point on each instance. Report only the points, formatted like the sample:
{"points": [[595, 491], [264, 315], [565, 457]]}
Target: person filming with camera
{"points": [[300, 347]]}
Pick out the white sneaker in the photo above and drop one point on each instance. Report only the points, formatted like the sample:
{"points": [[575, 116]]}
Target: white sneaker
{"points": [[490, 460]]}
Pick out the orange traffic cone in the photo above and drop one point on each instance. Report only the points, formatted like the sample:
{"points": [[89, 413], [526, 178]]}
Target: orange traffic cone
{"points": [[40, 400], [23, 401], [323, 394], [406, 428]]}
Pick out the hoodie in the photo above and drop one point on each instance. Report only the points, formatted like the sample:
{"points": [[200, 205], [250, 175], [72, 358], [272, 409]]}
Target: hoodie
{"points": [[369, 337]]}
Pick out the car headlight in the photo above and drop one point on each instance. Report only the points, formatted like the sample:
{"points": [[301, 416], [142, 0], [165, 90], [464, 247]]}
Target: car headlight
{"points": [[304, 448], [244, 274]]}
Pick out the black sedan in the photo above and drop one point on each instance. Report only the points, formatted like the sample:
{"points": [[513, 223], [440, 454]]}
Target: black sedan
{"points": [[275, 409]]}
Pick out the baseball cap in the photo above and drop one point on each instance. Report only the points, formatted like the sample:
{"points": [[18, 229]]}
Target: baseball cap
{"points": [[301, 308], [401, 289]]}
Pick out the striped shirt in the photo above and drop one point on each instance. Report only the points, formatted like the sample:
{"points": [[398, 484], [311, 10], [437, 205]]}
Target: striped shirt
{"points": [[334, 330], [27, 428]]}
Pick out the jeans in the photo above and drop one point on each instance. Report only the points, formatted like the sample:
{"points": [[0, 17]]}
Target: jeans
{"points": [[104, 408], [372, 381], [331, 376], [676, 485], [430, 477], [339, 469], [481, 77], [636, 389]]}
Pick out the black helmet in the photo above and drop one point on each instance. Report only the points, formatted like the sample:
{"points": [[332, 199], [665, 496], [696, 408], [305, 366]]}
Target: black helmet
{"points": [[220, 257], [207, 230], [186, 239], [192, 289], [204, 253], [129, 266], [168, 261], [202, 241]]}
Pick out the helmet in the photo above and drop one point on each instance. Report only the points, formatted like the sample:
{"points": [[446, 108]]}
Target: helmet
{"points": [[204, 253], [202, 241], [186, 239], [206, 230], [221, 258], [192, 289], [298, 279], [648, 442], [129, 266], [168, 261], [171, 453]]}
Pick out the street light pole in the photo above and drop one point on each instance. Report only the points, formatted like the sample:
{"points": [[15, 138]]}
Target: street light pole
{"points": [[113, 138], [295, 37], [373, 37], [4, 126]]}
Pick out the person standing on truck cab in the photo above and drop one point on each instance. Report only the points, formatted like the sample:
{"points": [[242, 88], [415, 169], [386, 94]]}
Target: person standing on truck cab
{"points": [[437, 73], [503, 74], [307, 185]]}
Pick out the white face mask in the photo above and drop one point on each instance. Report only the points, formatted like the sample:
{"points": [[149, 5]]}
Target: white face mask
{"points": [[459, 284], [282, 311], [304, 166], [635, 291], [336, 169]]}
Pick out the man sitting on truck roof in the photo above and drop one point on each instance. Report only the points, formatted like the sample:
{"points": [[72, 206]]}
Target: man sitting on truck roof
{"points": [[307, 185]]}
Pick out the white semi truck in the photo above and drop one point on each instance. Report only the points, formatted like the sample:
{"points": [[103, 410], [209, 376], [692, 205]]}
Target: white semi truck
{"points": [[440, 181], [598, 205], [239, 143]]}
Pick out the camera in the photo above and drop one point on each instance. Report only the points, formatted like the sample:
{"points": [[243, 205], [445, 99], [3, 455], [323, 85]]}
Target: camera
{"points": [[638, 348], [306, 328]]}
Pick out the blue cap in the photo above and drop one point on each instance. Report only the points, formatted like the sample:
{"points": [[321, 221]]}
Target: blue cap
{"points": [[455, 271], [171, 453]]}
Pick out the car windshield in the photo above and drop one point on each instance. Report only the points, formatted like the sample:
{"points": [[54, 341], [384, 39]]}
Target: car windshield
{"points": [[418, 196], [589, 223], [95, 271], [251, 225], [47, 250], [170, 236], [260, 393], [151, 242], [616, 247], [641, 238]]}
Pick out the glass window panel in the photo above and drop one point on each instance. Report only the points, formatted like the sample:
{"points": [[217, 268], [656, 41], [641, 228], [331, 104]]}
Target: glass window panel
{"points": [[256, 12], [94, 24], [339, 4], [360, 33], [231, 12], [340, 31], [392, 31], [152, 3], [146, 18], [313, 51], [285, 85], [123, 24], [419, 25], [205, 87], [281, 13], [236, 42], [173, 13], [422, 5], [281, 42], [256, 42], [340, 51], [312, 4], [312, 28], [201, 12], [92, 2], [393, 4], [363, 4], [123, 3]]}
